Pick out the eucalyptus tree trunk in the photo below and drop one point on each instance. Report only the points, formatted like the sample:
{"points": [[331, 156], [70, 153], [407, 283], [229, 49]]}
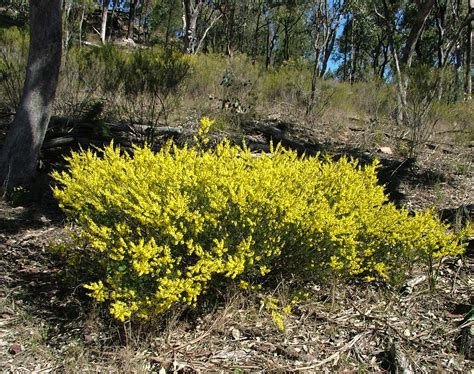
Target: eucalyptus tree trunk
{"points": [[256, 34], [406, 59], [81, 23], [103, 25], [271, 36], [191, 12], [353, 54], [469, 61], [67, 6], [286, 41], [115, 4], [168, 26], [314, 81], [424, 10], [131, 18], [20, 151], [403, 62]]}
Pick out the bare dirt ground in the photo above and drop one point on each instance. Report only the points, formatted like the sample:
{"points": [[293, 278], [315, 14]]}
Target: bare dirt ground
{"points": [[47, 324]]}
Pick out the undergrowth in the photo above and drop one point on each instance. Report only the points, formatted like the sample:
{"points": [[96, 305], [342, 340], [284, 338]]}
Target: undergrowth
{"points": [[166, 228]]}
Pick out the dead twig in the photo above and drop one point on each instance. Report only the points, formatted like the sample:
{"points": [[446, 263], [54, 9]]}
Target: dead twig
{"points": [[336, 355]]}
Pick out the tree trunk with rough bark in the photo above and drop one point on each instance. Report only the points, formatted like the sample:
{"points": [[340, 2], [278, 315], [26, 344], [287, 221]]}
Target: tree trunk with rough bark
{"points": [[20, 151]]}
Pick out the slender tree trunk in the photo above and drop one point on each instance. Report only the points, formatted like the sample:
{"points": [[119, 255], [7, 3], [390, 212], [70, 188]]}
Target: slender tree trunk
{"points": [[81, 23], [314, 81], [268, 52], [192, 36], [402, 64], [344, 72], [332, 19], [112, 18], [424, 10], [402, 85], [186, 21], [255, 36], [204, 34], [376, 57], [328, 48], [353, 54], [286, 42], [131, 18], [271, 36], [168, 26], [384, 62], [103, 25], [19, 154], [441, 28], [67, 6], [230, 28], [469, 61]]}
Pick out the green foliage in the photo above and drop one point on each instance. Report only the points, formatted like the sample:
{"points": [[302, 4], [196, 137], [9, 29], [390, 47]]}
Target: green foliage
{"points": [[239, 88], [290, 83], [148, 79], [215, 76], [228, 88], [458, 118], [89, 75], [374, 98], [153, 71], [421, 114], [13, 57], [206, 71], [166, 228], [18, 195], [135, 85], [16, 10]]}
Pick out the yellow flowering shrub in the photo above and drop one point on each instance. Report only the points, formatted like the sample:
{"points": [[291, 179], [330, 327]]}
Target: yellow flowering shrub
{"points": [[166, 227]]}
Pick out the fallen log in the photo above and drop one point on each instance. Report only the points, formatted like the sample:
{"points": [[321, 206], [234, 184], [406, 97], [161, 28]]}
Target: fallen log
{"points": [[278, 136], [467, 341], [408, 287], [400, 362], [58, 142], [459, 215]]}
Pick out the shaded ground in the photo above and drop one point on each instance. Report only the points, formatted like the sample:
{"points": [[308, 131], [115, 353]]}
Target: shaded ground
{"points": [[48, 325]]}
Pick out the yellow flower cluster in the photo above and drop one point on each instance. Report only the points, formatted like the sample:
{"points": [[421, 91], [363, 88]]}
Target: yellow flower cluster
{"points": [[272, 305], [166, 226]]}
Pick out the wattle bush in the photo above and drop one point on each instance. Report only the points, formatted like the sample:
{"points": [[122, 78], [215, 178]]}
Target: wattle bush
{"points": [[164, 228]]}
